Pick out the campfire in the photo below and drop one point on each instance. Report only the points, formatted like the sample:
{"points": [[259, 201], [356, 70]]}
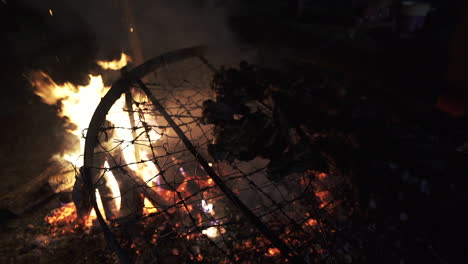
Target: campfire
{"points": [[77, 105], [302, 132], [184, 203]]}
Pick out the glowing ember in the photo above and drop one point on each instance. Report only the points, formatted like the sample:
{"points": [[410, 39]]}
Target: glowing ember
{"points": [[66, 213], [322, 176], [60, 217], [51, 13], [311, 222], [272, 252], [211, 232], [322, 195], [210, 182]]}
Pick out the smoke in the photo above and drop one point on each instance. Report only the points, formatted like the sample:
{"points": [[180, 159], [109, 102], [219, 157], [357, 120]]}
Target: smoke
{"points": [[165, 25], [60, 43], [161, 25], [65, 38]]}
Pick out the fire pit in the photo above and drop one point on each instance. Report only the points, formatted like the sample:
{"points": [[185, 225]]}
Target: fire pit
{"points": [[147, 178]]}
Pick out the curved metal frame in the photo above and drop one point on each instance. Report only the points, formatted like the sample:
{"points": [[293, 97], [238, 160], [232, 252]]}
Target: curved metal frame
{"points": [[99, 116], [134, 76]]}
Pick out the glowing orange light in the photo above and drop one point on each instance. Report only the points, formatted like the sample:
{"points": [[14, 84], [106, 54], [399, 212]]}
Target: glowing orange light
{"points": [[322, 195], [115, 64], [210, 182], [321, 176], [272, 252], [311, 222]]}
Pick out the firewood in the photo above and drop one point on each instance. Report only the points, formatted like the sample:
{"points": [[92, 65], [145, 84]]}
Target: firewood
{"points": [[61, 176], [38, 190]]}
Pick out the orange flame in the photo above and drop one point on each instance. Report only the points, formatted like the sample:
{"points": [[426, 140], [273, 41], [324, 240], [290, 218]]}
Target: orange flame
{"points": [[77, 104], [115, 64]]}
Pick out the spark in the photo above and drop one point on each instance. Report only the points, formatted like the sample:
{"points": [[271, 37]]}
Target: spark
{"points": [[51, 12]]}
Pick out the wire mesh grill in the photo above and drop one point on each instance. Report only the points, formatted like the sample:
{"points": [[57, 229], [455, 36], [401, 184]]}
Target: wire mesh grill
{"points": [[167, 208]]}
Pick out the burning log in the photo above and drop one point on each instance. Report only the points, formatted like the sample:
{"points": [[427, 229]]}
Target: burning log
{"points": [[98, 118], [62, 177], [90, 178]]}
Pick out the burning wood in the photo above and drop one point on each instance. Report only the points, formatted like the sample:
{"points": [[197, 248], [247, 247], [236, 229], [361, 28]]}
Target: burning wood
{"points": [[164, 186], [294, 164]]}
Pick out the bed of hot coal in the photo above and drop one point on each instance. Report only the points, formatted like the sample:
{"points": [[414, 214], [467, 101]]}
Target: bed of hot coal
{"points": [[382, 183]]}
